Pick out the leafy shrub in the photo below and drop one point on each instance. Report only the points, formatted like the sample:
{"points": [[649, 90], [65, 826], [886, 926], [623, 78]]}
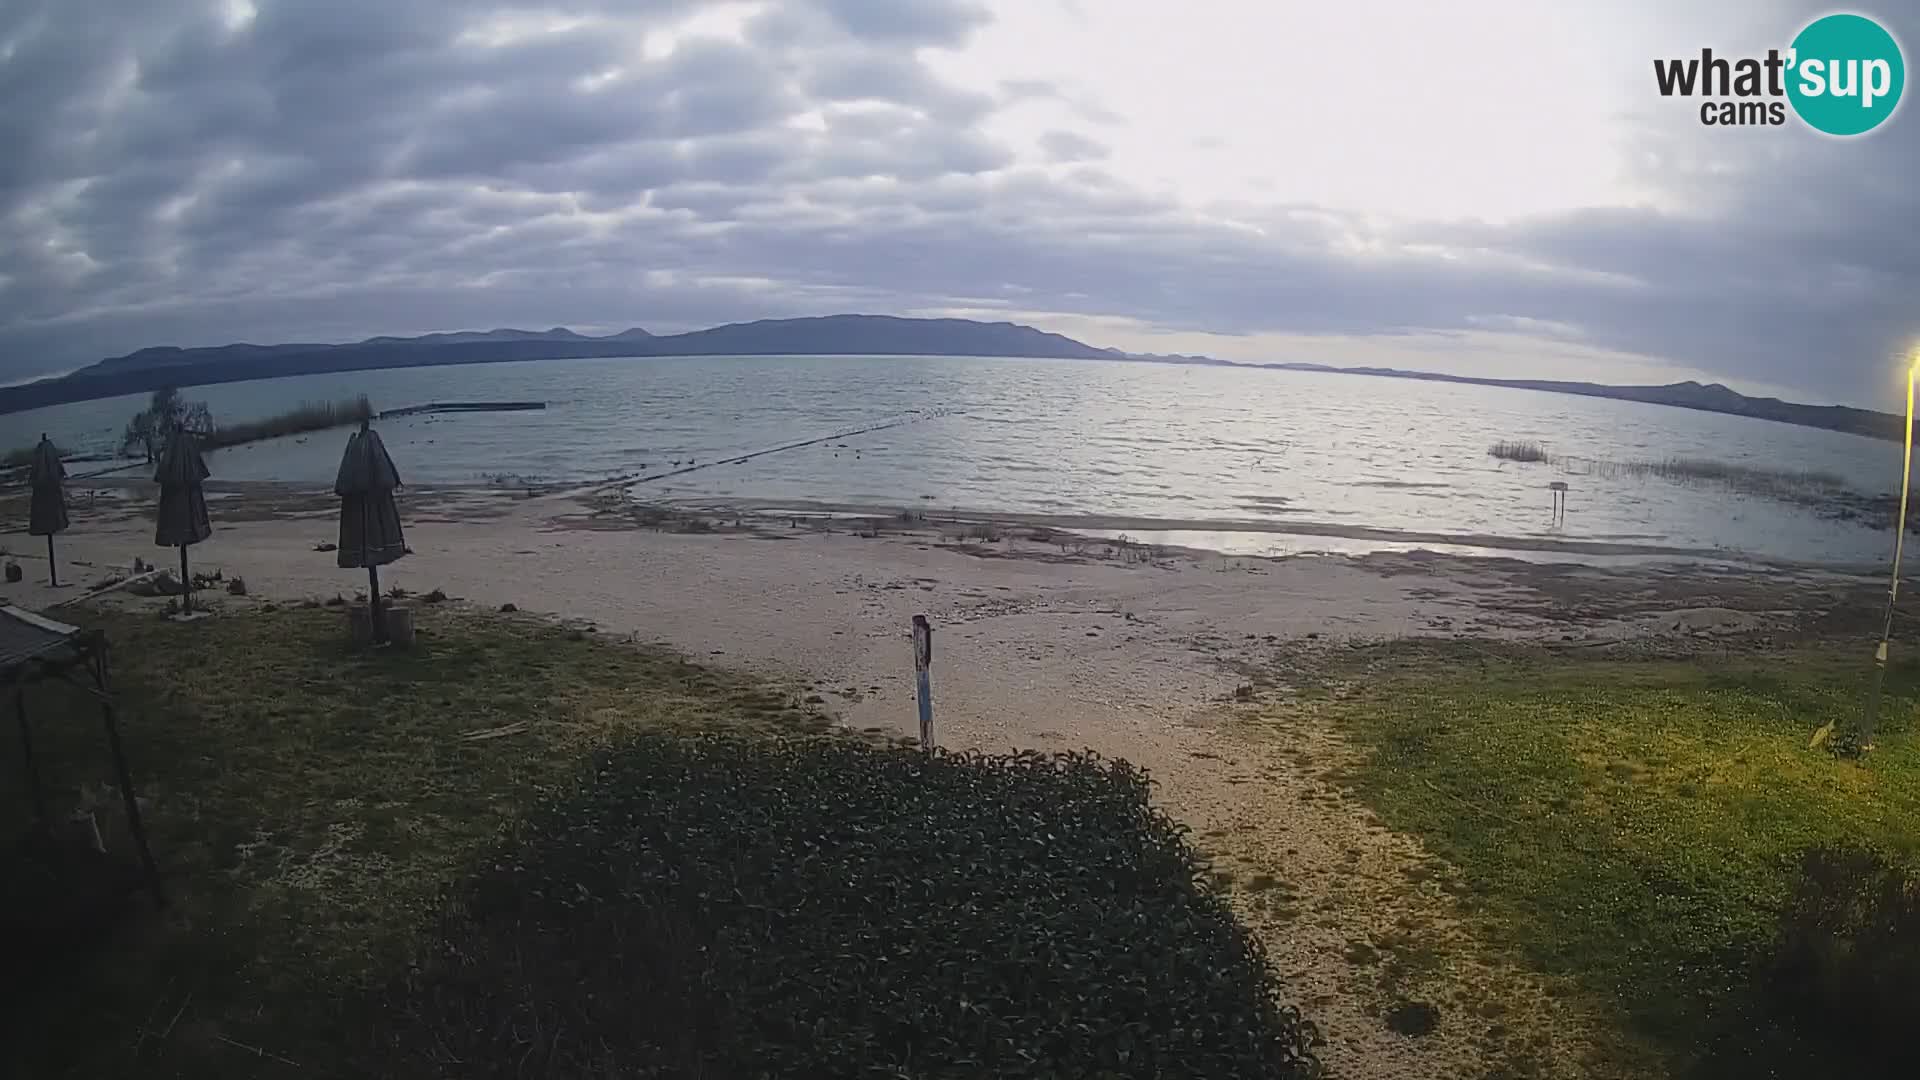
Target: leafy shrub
{"points": [[1847, 962], [712, 907], [1837, 993], [150, 428]]}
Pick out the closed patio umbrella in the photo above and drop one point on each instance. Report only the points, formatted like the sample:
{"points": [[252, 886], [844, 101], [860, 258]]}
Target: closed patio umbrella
{"points": [[183, 502], [369, 520], [48, 512]]}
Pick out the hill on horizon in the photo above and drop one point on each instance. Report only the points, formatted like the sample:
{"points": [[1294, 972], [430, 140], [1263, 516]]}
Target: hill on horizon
{"points": [[848, 335], [170, 365]]}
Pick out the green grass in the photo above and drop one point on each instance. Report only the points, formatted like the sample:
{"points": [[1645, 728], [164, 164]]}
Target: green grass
{"points": [[1635, 825], [309, 805]]}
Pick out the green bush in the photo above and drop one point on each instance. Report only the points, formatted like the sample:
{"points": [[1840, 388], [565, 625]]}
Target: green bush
{"points": [[718, 908], [1838, 992], [1847, 964]]}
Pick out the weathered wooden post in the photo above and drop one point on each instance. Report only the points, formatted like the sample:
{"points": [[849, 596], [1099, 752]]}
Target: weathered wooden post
{"points": [[923, 677]]}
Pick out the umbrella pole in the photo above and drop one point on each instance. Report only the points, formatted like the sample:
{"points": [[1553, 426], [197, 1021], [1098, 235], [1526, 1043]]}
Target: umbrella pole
{"points": [[186, 582], [53, 568], [373, 603]]}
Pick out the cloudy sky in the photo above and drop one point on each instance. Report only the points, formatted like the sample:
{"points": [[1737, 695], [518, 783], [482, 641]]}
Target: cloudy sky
{"points": [[1483, 186]]}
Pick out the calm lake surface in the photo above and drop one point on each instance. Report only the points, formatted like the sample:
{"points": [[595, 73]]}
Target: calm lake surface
{"points": [[1329, 454]]}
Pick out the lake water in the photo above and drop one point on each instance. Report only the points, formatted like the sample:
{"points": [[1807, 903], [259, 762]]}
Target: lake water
{"points": [[1325, 454]]}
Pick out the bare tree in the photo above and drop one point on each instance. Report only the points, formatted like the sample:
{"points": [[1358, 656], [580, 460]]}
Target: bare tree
{"points": [[165, 413]]}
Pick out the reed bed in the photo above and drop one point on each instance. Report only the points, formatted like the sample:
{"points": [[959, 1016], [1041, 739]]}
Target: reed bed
{"points": [[1792, 484], [22, 457], [307, 416]]}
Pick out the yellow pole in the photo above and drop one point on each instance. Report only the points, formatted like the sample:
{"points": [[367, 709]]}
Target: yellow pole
{"points": [[1872, 717], [1906, 485]]}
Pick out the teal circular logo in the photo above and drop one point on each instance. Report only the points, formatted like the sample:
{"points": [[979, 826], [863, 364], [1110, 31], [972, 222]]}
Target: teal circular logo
{"points": [[1845, 74]]}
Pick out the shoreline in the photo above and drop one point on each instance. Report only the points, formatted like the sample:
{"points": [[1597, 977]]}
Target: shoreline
{"points": [[1236, 537], [590, 555], [1180, 532]]}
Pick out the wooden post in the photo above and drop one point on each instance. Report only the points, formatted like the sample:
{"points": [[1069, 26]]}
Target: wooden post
{"points": [[373, 604], [373, 570], [53, 568], [923, 677], [186, 582], [26, 757], [134, 825]]}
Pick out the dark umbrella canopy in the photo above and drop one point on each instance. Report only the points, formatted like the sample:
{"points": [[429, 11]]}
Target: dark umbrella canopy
{"points": [[183, 502], [47, 477], [369, 520]]}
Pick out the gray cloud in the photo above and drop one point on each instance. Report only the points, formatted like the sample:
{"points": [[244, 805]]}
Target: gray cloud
{"points": [[1071, 146], [863, 75], [336, 170], [930, 22]]}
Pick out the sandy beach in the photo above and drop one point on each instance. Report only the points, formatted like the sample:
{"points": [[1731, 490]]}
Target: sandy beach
{"points": [[1043, 640]]}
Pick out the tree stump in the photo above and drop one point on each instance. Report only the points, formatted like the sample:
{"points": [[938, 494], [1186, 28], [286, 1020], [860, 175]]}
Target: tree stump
{"points": [[359, 625], [399, 624], [85, 831]]}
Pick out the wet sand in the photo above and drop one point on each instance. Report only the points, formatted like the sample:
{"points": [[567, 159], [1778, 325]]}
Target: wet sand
{"points": [[1044, 639]]}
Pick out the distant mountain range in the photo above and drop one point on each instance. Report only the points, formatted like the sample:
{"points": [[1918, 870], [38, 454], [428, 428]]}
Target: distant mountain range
{"points": [[152, 368], [845, 335]]}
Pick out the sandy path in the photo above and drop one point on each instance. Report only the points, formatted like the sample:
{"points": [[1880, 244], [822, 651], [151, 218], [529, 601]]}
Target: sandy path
{"points": [[1136, 659]]}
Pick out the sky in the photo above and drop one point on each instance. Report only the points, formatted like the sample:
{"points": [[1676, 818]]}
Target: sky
{"points": [[1486, 187]]}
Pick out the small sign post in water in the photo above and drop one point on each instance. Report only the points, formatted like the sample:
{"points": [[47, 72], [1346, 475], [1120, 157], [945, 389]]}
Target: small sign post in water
{"points": [[923, 677]]}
